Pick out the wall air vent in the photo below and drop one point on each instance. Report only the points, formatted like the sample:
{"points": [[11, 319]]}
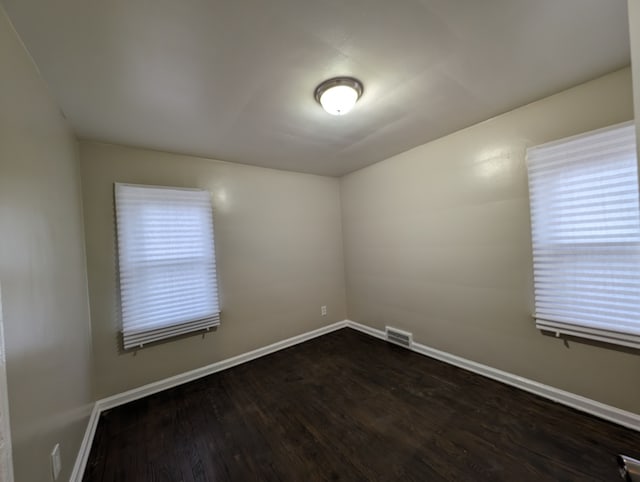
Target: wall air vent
{"points": [[399, 337]]}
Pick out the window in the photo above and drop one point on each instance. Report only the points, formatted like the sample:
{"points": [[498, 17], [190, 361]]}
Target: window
{"points": [[585, 227], [166, 256]]}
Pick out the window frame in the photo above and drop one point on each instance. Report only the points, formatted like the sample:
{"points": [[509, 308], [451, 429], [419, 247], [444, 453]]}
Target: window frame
{"points": [[138, 274], [609, 254]]}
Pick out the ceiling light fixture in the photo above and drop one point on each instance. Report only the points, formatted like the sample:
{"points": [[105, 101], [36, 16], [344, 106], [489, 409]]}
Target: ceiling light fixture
{"points": [[338, 95]]}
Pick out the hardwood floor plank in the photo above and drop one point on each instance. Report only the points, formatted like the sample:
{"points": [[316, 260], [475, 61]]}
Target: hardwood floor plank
{"points": [[349, 407]]}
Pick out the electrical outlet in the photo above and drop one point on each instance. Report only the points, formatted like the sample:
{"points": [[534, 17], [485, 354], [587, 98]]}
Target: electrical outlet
{"points": [[56, 463], [323, 310]]}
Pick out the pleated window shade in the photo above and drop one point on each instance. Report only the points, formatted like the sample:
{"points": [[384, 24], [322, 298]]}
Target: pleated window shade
{"points": [[585, 226], [168, 283]]}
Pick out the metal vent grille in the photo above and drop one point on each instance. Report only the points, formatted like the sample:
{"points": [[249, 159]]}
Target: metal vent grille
{"points": [[399, 337]]}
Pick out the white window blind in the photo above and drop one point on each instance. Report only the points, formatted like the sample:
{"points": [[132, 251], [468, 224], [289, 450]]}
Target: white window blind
{"points": [[586, 235], [166, 254]]}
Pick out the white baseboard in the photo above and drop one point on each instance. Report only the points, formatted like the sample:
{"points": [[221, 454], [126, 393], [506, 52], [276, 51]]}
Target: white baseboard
{"points": [[607, 412], [366, 329], [85, 446], [155, 387]]}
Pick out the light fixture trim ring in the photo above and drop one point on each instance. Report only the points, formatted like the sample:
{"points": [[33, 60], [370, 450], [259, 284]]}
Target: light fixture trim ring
{"points": [[352, 82]]}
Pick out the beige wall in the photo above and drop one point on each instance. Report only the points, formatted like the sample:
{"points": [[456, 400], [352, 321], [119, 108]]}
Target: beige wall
{"points": [[42, 270], [634, 36], [278, 247], [437, 242]]}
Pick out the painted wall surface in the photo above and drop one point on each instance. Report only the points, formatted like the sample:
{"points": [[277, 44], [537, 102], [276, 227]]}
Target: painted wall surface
{"points": [[278, 247], [42, 270], [634, 37], [437, 242]]}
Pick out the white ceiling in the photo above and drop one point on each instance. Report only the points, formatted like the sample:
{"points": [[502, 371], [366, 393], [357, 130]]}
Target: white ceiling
{"points": [[234, 79]]}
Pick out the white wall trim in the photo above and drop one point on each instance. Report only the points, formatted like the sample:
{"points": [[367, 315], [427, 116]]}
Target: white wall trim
{"points": [[6, 456], [85, 446], [622, 417], [607, 412], [155, 387], [366, 329]]}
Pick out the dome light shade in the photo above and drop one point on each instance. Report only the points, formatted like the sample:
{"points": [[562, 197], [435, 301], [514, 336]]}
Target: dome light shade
{"points": [[338, 95]]}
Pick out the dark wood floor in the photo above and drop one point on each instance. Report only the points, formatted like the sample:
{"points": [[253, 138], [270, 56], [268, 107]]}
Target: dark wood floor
{"points": [[349, 407]]}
